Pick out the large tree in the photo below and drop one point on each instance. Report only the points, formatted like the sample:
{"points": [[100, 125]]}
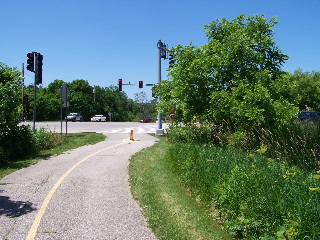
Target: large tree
{"points": [[236, 76], [11, 96], [306, 89]]}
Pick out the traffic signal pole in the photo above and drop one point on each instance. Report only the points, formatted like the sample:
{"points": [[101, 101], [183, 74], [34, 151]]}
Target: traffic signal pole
{"points": [[34, 104], [35, 65], [160, 130]]}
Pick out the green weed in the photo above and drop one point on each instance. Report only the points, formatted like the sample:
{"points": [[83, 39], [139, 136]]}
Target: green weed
{"points": [[257, 196]]}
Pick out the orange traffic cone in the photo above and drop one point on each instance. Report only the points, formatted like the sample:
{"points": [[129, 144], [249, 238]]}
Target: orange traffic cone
{"points": [[131, 136]]}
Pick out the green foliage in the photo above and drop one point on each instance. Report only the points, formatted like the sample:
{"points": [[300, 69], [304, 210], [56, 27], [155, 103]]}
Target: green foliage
{"points": [[83, 99], [11, 96], [170, 211], [236, 76], [257, 197], [306, 89], [17, 142], [297, 144]]}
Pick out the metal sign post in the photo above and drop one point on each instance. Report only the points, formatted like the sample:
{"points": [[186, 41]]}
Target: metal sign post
{"points": [[64, 93], [109, 113]]}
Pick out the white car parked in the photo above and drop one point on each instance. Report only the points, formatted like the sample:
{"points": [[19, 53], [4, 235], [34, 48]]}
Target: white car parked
{"points": [[98, 118]]}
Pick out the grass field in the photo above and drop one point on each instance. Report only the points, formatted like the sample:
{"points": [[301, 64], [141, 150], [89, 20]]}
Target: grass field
{"points": [[171, 210]]}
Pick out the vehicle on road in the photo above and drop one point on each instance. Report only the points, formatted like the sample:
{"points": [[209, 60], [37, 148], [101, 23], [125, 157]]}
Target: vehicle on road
{"points": [[309, 115], [74, 117], [98, 118], [146, 120]]}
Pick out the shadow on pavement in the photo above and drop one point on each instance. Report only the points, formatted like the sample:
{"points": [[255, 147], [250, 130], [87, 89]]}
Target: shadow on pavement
{"points": [[14, 209]]}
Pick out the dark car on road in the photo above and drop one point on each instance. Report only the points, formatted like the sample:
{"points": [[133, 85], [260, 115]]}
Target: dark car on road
{"points": [[309, 115], [146, 120], [74, 117]]}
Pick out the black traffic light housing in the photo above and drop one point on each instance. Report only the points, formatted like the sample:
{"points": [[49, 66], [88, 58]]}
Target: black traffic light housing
{"points": [[30, 62], [140, 84], [120, 84], [25, 99], [171, 60], [163, 53], [39, 63]]}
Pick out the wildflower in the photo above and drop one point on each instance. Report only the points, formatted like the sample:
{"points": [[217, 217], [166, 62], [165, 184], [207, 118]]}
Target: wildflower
{"points": [[316, 176], [271, 160], [314, 188], [288, 173], [262, 149]]}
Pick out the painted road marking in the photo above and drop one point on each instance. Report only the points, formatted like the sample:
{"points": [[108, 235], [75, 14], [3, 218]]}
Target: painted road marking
{"points": [[34, 228]]}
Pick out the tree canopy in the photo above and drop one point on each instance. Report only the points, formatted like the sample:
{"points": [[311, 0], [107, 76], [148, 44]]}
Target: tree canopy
{"points": [[306, 89], [85, 99], [235, 76], [11, 95]]}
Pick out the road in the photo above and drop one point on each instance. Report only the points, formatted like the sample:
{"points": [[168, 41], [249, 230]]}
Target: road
{"points": [[101, 127], [80, 194]]}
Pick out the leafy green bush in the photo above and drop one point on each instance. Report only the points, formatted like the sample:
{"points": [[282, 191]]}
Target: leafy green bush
{"points": [[20, 141]]}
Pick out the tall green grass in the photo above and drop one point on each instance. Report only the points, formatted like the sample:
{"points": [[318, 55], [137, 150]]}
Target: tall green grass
{"points": [[263, 184], [170, 211]]}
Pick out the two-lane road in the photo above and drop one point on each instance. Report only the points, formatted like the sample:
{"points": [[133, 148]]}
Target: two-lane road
{"points": [[99, 127]]}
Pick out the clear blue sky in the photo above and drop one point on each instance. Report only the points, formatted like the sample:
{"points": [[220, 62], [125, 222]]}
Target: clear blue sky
{"points": [[104, 40]]}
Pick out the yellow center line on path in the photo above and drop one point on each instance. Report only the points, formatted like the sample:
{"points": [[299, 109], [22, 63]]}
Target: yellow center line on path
{"points": [[34, 228]]}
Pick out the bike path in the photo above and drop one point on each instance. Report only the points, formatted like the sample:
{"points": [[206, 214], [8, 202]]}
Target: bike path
{"points": [[80, 194]]}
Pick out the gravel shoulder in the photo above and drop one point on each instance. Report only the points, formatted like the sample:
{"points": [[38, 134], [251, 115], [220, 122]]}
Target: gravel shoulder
{"points": [[92, 201]]}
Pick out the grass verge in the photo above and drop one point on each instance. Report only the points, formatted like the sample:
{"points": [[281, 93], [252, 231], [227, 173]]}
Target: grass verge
{"points": [[71, 141], [171, 211]]}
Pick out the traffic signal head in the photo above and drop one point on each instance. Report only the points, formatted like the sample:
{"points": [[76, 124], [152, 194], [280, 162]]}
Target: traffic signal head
{"points": [[171, 60], [120, 84], [163, 52], [140, 84], [25, 99], [39, 63], [30, 62]]}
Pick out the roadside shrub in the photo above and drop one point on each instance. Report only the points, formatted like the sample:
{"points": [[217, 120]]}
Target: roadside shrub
{"points": [[204, 133], [296, 143], [17, 142]]}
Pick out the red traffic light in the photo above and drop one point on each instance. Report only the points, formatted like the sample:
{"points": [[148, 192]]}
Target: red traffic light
{"points": [[120, 84], [30, 62], [140, 84], [25, 99]]}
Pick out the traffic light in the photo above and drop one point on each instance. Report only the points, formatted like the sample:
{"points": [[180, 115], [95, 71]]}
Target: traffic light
{"points": [[163, 52], [171, 60], [120, 84], [30, 62], [39, 59], [140, 84], [25, 99]]}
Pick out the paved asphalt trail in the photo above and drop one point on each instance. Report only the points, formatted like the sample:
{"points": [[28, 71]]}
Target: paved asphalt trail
{"points": [[80, 194]]}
